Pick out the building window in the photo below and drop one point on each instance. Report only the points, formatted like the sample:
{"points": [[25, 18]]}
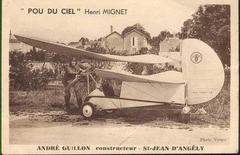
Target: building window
{"points": [[134, 41]]}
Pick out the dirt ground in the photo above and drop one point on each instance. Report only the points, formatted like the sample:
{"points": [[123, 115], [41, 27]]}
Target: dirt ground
{"points": [[58, 128], [134, 127]]}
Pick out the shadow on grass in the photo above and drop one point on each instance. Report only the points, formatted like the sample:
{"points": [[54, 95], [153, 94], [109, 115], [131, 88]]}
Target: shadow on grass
{"points": [[143, 115]]}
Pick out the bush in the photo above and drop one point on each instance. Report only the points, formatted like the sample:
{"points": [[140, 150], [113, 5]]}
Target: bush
{"points": [[24, 77], [143, 50], [97, 49], [137, 68]]}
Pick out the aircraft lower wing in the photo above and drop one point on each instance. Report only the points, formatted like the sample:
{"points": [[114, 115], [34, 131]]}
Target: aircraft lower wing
{"points": [[71, 51], [164, 77]]}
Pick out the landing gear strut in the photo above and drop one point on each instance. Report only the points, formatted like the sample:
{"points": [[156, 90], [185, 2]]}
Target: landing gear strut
{"points": [[185, 114]]}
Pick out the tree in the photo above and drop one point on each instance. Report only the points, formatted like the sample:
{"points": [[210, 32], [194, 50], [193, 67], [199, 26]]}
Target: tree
{"points": [[186, 28], [84, 41], [138, 27], [157, 39], [35, 55], [23, 76], [96, 49], [211, 24]]}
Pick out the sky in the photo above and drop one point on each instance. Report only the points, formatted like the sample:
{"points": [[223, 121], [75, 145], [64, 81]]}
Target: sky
{"points": [[154, 15]]}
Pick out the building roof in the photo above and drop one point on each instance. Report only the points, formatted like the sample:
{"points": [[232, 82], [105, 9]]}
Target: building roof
{"points": [[135, 30], [113, 33]]}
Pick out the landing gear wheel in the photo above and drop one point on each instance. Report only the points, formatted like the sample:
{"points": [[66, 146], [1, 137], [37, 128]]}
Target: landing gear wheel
{"points": [[88, 110]]}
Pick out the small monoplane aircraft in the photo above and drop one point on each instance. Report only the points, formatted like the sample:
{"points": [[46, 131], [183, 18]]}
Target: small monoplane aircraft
{"points": [[200, 80]]}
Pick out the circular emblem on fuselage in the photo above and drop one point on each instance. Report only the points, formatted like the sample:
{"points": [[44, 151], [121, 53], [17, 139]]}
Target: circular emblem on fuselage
{"points": [[196, 57]]}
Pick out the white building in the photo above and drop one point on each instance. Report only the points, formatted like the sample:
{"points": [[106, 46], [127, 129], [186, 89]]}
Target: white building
{"points": [[171, 48]]}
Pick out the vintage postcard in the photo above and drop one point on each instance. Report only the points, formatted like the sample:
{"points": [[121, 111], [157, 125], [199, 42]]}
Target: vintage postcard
{"points": [[120, 77]]}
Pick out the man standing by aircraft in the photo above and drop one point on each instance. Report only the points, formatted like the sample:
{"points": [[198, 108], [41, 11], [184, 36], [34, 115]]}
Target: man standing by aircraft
{"points": [[73, 75]]}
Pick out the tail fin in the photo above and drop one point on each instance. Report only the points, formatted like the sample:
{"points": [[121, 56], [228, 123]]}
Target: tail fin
{"points": [[202, 70]]}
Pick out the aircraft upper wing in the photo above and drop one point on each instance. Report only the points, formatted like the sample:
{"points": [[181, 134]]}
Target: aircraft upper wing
{"points": [[71, 51], [164, 77]]}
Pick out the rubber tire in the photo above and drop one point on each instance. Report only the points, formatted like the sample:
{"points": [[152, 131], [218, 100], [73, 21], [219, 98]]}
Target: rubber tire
{"points": [[93, 110]]}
